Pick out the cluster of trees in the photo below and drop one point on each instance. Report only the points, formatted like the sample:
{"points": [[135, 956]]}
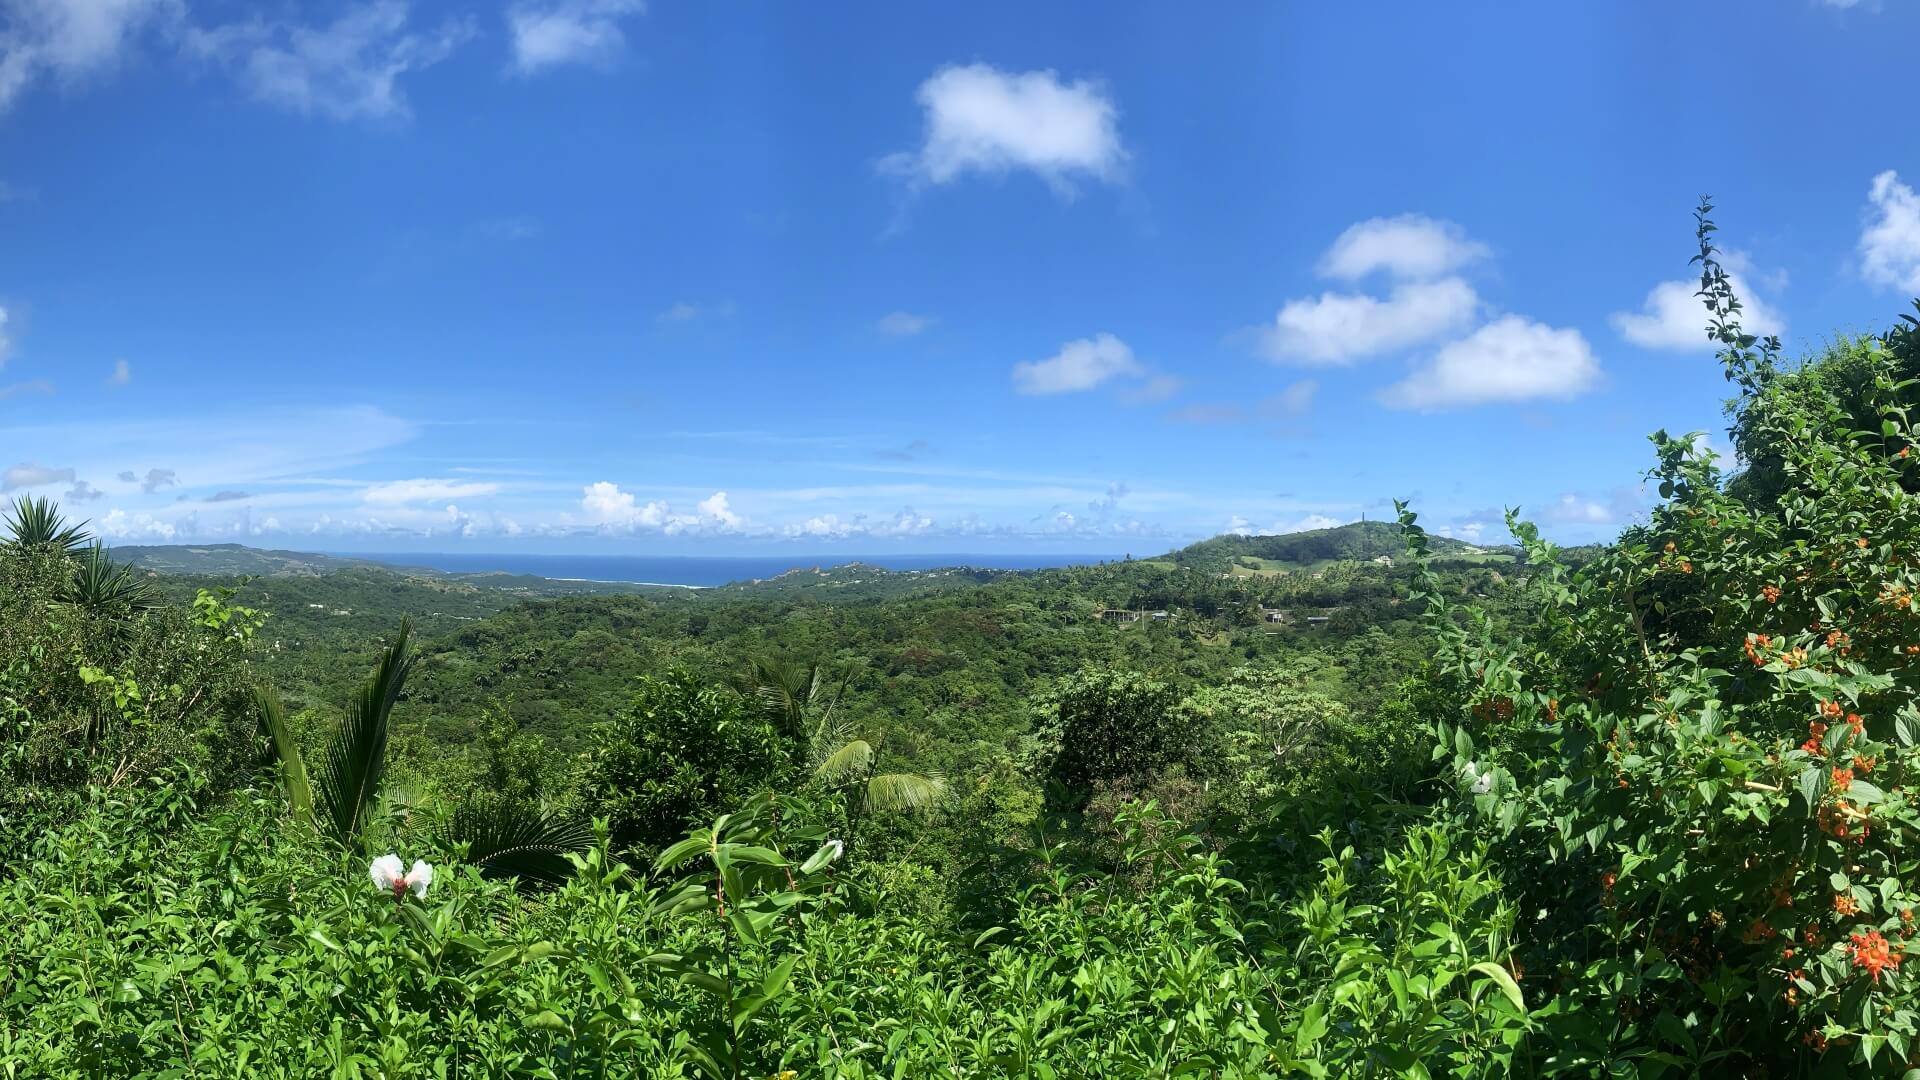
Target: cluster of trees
{"points": [[1652, 815]]}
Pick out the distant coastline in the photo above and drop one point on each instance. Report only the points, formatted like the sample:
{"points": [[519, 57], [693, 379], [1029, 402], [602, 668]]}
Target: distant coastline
{"points": [[699, 571]]}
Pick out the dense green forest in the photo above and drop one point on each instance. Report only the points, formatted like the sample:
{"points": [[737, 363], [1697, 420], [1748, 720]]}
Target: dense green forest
{"points": [[1358, 802]]}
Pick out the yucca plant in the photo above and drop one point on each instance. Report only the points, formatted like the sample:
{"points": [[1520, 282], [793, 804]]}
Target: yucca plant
{"points": [[104, 587], [35, 525]]}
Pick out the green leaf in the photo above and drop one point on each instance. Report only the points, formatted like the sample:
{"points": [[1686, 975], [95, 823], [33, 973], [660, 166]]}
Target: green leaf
{"points": [[1504, 981]]}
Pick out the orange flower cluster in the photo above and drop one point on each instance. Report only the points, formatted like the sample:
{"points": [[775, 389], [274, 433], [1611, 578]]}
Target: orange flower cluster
{"points": [[1816, 732], [1844, 904], [1686, 567], [1553, 710], [1770, 593], [1863, 765], [1873, 954], [1912, 650], [1756, 646], [1858, 725], [1500, 708], [1895, 594], [1860, 543], [1838, 640], [1842, 779], [1831, 710]]}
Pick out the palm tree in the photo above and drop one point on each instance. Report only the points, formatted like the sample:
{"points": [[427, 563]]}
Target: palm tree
{"points": [[35, 525], [504, 839], [802, 699]]}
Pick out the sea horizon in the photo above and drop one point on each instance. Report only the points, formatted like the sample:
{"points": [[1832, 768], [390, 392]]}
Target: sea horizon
{"points": [[704, 571]]}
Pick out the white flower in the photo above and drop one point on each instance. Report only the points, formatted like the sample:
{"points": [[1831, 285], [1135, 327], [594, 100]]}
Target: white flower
{"points": [[1478, 782], [839, 848], [388, 877]]}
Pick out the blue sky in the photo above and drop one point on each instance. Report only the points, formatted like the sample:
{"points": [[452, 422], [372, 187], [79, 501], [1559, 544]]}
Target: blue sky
{"points": [[601, 275]]}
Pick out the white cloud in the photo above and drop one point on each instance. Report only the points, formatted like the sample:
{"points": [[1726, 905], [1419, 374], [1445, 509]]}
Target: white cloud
{"points": [[427, 490], [1339, 328], [27, 475], [22, 389], [1079, 365], [1295, 400], [715, 507], [83, 492], [687, 312], [157, 479], [1106, 503], [69, 40], [1672, 317], [982, 119], [1890, 242], [1509, 359], [1240, 526], [122, 374], [903, 324], [1411, 246], [546, 35], [120, 525], [347, 69]]}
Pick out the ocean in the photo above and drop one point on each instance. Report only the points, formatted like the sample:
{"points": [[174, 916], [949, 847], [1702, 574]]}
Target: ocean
{"points": [[697, 570]]}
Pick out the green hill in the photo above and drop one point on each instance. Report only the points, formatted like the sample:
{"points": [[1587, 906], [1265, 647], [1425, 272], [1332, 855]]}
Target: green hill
{"points": [[1357, 542]]}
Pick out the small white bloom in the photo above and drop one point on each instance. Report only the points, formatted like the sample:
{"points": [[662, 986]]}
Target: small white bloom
{"points": [[1478, 782], [839, 848], [385, 871], [389, 876], [419, 878]]}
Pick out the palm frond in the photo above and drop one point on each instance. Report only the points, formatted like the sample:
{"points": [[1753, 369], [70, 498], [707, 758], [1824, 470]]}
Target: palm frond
{"points": [[355, 759], [848, 762], [505, 839], [36, 525], [104, 587], [893, 792], [293, 769]]}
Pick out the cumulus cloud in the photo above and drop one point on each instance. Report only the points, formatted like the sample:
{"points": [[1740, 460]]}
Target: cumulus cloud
{"points": [[120, 525], [69, 40], [27, 475], [1079, 365], [547, 35], [348, 69], [902, 324], [1890, 242], [1411, 246], [715, 506], [1240, 526], [83, 492], [428, 490], [1672, 317], [979, 119], [155, 480], [1340, 328], [122, 374], [1510, 359]]}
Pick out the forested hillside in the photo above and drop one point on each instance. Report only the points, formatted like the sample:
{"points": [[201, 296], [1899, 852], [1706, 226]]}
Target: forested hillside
{"points": [[1476, 812]]}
